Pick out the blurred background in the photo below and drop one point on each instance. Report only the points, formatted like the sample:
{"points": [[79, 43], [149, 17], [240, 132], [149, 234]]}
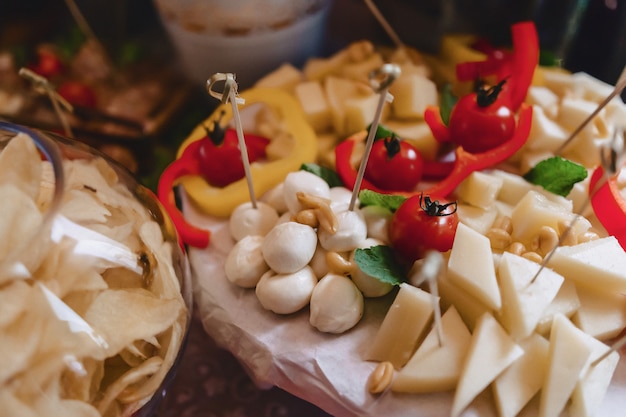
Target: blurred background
{"points": [[588, 35]]}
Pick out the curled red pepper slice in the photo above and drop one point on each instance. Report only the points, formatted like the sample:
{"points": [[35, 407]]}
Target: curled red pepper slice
{"points": [[186, 164], [464, 164], [608, 204], [518, 67]]}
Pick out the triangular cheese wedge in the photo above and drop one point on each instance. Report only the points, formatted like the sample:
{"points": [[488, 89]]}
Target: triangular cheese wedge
{"points": [[524, 300], [598, 263], [517, 385], [592, 386], [436, 367], [568, 358], [403, 326], [471, 267], [491, 351]]}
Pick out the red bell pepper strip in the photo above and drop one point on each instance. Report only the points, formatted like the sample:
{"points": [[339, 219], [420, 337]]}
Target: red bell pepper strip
{"points": [[186, 164], [608, 204], [464, 164], [518, 67], [432, 117]]}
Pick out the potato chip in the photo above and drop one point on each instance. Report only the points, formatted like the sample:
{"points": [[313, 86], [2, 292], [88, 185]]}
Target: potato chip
{"points": [[88, 313], [17, 167]]}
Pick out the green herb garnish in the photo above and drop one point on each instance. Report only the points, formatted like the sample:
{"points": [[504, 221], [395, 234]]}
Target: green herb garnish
{"points": [[379, 262], [448, 100], [557, 175], [382, 132], [388, 201], [327, 174]]}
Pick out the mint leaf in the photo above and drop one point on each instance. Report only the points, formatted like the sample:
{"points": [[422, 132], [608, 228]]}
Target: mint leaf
{"points": [[389, 201], [557, 175], [379, 262], [327, 174], [448, 100]]}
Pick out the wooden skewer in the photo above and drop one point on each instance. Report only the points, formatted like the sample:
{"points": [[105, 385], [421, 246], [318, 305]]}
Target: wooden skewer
{"points": [[229, 94], [384, 23], [380, 80]]}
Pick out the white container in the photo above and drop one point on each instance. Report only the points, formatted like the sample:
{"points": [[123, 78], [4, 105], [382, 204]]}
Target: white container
{"points": [[247, 37]]}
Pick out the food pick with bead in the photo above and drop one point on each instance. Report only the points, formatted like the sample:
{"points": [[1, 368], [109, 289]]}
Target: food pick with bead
{"points": [[380, 81]]}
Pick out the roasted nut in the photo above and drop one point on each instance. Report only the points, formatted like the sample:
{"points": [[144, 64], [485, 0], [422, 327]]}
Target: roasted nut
{"points": [[504, 223], [325, 216], [532, 256], [547, 239], [380, 378], [517, 248], [586, 237], [338, 264], [499, 238], [308, 217]]}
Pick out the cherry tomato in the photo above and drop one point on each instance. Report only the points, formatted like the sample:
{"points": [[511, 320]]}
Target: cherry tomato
{"points": [[481, 121], [78, 94], [394, 164], [421, 224], [220, 157], [48, 64]]}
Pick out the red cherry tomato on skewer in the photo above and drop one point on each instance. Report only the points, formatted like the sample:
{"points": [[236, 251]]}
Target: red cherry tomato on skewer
{"points": [[394, 164]]}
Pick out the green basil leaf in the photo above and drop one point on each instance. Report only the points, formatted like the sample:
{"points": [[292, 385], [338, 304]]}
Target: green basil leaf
{"points": [[448, 100], [379, 262], [557, 175], [327, 174], [389, 201]]}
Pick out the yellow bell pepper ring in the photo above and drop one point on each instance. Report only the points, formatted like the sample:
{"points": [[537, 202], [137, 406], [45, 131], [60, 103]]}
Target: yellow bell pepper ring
{"points": [[221, 201]]}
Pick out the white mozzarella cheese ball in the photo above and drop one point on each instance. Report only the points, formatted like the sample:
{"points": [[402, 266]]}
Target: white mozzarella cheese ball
{"points": [[275, 197], [341, 196], [303, 181], [245, 263], [377, 219], [336, 304], [247, 220], [286, 293], [351, 231], [369, 286], [318, 262], [289, 246]]}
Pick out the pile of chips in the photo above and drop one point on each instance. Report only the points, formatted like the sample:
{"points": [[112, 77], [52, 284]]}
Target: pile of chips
{"points": [[92, 316]]}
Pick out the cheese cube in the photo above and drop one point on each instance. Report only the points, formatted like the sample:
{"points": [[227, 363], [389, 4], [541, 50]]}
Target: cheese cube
{"points": [[403, 326], [477, 218], [480, 189], [545, 133], [542, 99], [285, 77], [412, 94], [574, 111], [338, 91], [598, 264], [601, 314], [319, 68], [535, 211], [311, 96], [471, 266]]}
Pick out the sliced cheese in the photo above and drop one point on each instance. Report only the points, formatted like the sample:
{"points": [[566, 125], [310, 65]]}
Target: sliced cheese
{"points": [[480, 189], [403, 326], [471, 267], [313, 101]]}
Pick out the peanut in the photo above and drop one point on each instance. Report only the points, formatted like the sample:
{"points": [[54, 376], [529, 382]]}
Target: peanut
{"points": [[499, 238], [380, 378]]}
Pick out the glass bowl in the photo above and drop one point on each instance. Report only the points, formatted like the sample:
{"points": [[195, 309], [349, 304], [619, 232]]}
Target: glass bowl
{"points": [[95, 291]]}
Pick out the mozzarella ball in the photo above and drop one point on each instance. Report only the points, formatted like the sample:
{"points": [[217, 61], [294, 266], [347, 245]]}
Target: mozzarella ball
{"points": [[289, 246], [341, 195], [377, 220], [336, 304], [247, 220], [275, 197], [303, 181], [369, 286], [351, 231], [286, 293], [245, 263]]}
